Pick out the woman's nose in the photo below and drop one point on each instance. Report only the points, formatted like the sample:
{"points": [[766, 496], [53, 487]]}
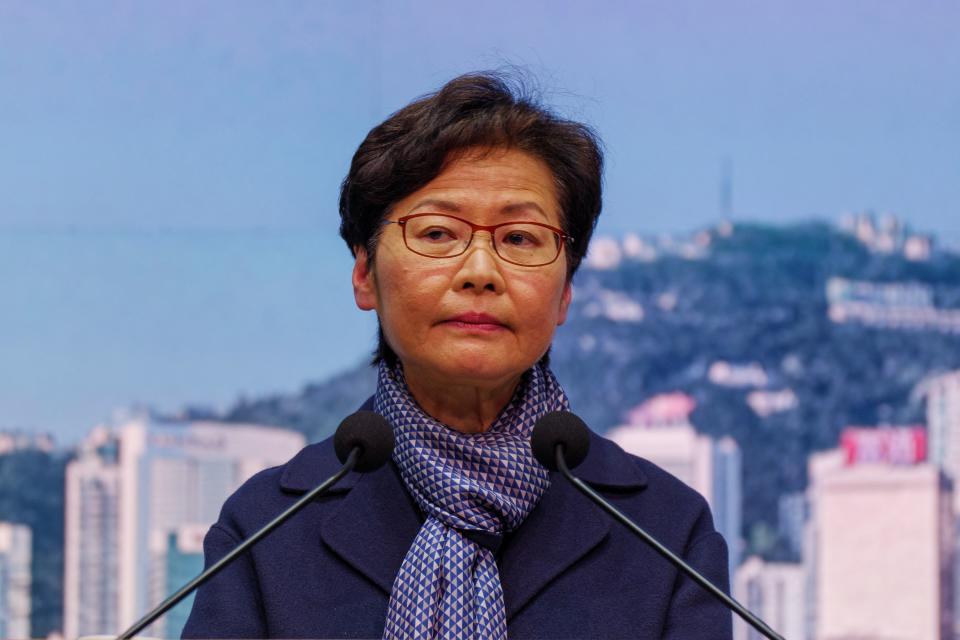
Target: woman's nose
{"points": [[480, 269]]}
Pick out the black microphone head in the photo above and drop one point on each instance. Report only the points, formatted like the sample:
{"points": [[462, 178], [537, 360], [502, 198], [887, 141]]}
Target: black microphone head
{"points": [[560, 427], [371, 432]]}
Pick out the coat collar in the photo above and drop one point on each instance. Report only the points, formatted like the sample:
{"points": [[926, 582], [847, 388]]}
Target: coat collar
{"points": [[606, 466], [374, 524]]}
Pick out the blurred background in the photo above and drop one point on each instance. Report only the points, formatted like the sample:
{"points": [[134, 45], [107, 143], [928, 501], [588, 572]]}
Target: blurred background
{"points": [[770, 309]]}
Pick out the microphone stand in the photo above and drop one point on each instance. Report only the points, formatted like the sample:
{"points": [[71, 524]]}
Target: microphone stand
{"points": [[184, 591], [678, 562]]}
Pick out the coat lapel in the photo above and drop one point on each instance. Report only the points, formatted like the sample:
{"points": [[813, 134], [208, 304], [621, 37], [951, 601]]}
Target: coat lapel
{"points": [[565, 526], [374, 525]]}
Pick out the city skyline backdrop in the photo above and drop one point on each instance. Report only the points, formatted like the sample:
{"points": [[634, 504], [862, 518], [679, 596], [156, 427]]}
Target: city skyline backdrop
{"points": [[169, 173]]}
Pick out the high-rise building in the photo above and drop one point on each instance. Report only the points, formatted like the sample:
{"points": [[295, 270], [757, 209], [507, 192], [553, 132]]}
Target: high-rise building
{"points": [[91, 527], [660, 431], [879, 539], [774, 591], [943, 426], [177, 559], [726, 495], [791, 520], [139, 483], [943, 423], [15, 541]]}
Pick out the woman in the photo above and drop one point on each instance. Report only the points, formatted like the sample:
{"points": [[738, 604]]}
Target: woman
{"points": [[468, 212]]}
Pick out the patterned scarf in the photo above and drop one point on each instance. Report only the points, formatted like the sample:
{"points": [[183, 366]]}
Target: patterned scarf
{"points": [[473, 488]]}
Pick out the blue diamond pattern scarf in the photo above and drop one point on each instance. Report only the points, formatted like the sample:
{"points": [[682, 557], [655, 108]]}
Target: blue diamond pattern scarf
{"points": [[473, 488]]}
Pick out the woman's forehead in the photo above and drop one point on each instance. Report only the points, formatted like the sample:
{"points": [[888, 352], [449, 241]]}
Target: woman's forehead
{"points": [[509, 183]]}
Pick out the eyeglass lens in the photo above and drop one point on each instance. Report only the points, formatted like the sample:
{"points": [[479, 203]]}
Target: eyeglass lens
{"points": [[442, 236]]}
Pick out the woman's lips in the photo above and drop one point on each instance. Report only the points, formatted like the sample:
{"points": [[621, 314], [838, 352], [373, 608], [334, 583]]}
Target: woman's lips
{"points": [[476, 322]]}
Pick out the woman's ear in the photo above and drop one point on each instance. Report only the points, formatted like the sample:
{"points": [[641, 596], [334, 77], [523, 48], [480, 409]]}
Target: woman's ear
{"points": [[565, 299], [364, 286]]}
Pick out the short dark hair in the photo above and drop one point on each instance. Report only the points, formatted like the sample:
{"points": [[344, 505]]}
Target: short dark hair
{"points": [[475, 110]]}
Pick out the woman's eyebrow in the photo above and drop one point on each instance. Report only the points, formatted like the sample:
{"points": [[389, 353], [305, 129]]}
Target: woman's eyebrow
{"points": [[443, 205], [523, 207]]}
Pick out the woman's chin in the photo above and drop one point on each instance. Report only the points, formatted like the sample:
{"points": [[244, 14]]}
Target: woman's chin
{"points": [[476, 368]]}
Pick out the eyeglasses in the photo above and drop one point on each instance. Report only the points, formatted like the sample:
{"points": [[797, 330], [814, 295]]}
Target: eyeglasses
{"points": [[438, 235]]}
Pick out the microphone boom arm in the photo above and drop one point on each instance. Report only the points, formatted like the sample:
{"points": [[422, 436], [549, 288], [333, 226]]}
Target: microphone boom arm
{"points": [[678, 562]]}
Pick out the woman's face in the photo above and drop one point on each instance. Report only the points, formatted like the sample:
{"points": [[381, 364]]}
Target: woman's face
{"points": [[419, 299]]}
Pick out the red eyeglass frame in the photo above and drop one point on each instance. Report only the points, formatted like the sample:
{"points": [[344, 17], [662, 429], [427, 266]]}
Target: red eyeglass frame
{"points": [[561, 235]]}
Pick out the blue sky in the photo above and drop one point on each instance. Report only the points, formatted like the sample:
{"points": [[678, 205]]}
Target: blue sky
{"points": [[245, 114], [239, 117]]}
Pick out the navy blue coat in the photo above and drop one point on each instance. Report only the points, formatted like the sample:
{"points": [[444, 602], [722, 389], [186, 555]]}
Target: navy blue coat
{"points": [[568, 571]]}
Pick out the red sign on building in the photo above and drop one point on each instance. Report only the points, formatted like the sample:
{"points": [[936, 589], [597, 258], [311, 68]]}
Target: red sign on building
{"points": [[891, 445]]}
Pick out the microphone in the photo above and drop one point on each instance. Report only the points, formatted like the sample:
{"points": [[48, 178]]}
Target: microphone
{"points": [[363, 442], [368, 432], [561, 441]]}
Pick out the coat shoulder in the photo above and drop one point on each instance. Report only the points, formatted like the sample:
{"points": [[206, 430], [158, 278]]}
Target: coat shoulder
{"points": [[664, 502], [267, 492], [669, 486]]}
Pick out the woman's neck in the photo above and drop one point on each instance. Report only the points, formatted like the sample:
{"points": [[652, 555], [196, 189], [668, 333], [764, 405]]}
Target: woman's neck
{"points": [[468, 408]]}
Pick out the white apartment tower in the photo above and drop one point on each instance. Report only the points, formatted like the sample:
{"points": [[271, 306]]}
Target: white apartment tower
{"points": [[879, 539], [660, 431], [15, 555], [943, 423], [151, 479], [91, 527], [776, 592]]}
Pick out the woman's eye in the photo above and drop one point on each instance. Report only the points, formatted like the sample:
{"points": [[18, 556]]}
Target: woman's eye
{"points": [[438, 234], [519, 239]]}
